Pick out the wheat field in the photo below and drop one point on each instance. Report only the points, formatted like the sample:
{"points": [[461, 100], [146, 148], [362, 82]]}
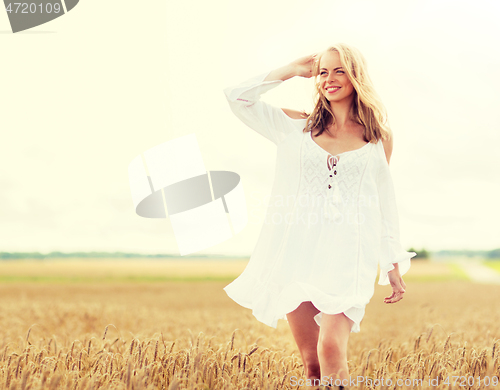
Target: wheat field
{"points": [[164, 325]]}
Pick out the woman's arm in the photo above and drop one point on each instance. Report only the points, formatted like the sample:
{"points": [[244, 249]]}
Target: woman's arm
{"points": [[300, 67], [284, 73], [394, 260], [271, 122], [388, 145], [396, 279]]}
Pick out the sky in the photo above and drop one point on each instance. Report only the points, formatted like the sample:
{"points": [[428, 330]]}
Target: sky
{"points": [[86, 93]]}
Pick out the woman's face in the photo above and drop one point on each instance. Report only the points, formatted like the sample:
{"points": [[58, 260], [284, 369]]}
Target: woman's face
{"points": [[333, 80]]}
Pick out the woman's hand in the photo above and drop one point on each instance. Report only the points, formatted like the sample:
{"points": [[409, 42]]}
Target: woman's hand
{"points": [[398, 286], [303, 66]]}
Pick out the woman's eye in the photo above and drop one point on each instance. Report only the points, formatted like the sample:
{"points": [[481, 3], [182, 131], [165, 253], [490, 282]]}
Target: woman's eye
{"points": [[340, 71]]}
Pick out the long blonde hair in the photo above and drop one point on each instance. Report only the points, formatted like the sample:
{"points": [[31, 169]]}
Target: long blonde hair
{"points": [[367, 108]]}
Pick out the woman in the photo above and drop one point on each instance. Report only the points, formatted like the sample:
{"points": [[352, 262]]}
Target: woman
{"points": [[332, 216]]}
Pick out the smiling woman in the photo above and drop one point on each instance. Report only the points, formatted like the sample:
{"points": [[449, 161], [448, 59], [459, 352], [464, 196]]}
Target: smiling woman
{"points": [[316, 260], [344, 86]]}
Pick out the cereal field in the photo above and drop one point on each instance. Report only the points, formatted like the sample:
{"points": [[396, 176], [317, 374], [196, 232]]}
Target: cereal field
{"points": [[169, 325]]}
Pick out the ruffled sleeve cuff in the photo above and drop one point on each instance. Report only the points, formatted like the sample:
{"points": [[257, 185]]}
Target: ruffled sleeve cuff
{"points": [[393, 252]]}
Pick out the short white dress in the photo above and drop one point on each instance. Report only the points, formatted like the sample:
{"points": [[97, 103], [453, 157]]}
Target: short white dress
{"points": [[331, 220]]}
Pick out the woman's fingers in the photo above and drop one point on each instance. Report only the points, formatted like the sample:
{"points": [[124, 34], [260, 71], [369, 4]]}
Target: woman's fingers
{"points": [[307, 60], [398, 289], [305, 64], [314, 58], [389, 297], [395, 297]]}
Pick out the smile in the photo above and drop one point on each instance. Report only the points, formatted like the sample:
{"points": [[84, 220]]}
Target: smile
{"points": [[332, 89]]}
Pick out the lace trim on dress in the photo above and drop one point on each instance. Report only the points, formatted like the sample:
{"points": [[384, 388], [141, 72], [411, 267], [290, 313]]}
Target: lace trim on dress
{"points": [[332, 181]]}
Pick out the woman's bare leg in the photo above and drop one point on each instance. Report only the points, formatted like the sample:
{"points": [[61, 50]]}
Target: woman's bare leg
{"points": [[306, 332], [332, 346]]}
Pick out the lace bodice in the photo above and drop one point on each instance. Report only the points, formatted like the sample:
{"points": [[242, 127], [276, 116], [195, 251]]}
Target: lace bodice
{"points": [[333, 180]]}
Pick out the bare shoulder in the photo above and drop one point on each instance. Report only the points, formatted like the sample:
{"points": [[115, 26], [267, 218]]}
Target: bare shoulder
{"points": [[388, 146], [294, 114]]}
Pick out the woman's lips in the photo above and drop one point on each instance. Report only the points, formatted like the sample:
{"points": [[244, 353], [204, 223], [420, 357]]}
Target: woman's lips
{"points": [[332, 90]]}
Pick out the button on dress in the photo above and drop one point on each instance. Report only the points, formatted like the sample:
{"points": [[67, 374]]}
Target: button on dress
{"points": [[330, 223]]}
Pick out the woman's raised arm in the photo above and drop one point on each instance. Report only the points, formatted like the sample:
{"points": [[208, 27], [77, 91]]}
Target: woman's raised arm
{"points": [[300, 67], [271, 122]]}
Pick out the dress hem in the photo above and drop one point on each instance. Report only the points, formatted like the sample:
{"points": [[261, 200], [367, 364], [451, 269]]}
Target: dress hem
{"points": [[349, 309]]}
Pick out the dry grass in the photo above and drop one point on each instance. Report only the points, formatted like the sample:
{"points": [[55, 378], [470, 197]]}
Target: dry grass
{"points": [[89, 270], [172, 335], [110, 270]]}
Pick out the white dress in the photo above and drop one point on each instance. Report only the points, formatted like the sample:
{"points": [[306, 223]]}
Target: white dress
{"points": [[331, 220]]}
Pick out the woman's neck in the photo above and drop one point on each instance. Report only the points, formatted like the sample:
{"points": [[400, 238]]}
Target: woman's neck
{"points": [[341, 110]]}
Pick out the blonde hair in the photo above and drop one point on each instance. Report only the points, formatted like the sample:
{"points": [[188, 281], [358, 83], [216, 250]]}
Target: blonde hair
{"points": [[367, 108]]}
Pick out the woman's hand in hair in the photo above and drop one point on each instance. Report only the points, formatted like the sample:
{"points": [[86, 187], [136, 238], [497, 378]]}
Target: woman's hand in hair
{"points": [[304, 65]]}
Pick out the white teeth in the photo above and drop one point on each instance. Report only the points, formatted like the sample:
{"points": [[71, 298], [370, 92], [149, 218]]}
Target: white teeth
{"points": [[330, 88]]}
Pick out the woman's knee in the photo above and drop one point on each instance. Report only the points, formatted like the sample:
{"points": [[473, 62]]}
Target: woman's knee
{"points": [[332, 345], [334, 335]]}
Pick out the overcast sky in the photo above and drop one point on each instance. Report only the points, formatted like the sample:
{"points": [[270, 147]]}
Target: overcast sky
{"points": [[85, 94]]}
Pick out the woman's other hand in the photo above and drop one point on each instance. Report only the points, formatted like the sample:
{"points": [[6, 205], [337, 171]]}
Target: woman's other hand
{"points": [[303, 66], [398, 286]]}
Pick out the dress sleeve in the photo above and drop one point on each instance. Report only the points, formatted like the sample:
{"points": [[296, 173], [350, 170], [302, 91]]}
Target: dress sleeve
{"points": [[267, 120], [391, 249]]}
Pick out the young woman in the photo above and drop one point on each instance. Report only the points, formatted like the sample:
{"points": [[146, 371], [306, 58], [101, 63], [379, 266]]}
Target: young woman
{"points": [[332, 217]]}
